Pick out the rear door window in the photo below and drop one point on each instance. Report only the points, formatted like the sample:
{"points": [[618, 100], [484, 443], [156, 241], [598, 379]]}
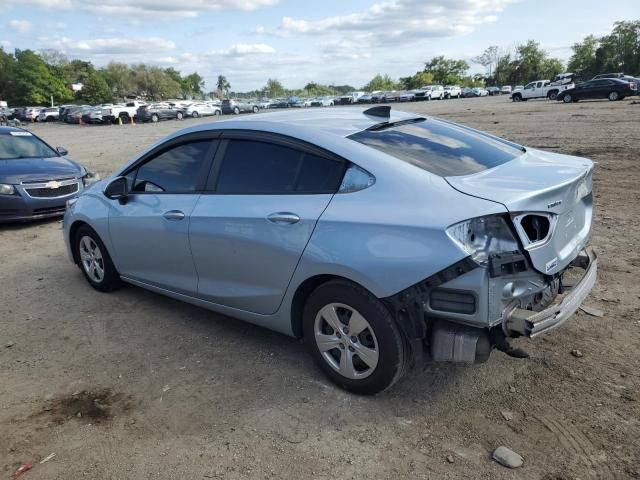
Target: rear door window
{"points": [[259, 167], [439, 147]]}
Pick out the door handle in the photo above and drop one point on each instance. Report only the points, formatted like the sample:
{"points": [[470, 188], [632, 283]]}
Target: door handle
{"points": [[173, 215], [283, 217]]}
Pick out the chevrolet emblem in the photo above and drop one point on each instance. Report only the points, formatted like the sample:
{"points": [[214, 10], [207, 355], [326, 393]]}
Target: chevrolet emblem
{"points": [[53, 184]]}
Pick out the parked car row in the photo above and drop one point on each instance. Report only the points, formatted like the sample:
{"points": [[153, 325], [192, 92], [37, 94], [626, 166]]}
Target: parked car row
{"points": [[614, 86]]}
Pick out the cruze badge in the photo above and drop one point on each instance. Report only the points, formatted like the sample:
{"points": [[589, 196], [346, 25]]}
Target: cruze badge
{"points": [[554, 204], [53, 184]]}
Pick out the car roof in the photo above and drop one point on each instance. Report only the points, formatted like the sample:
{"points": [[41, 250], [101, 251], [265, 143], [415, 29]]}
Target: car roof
{"points": [[341, 122]]}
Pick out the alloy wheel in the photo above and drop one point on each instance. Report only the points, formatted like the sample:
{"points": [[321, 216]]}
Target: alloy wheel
{"points": [[346, 341], [91, 258]]}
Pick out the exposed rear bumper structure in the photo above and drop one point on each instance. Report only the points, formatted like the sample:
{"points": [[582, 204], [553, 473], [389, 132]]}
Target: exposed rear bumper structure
{"points": [[531, 324]]}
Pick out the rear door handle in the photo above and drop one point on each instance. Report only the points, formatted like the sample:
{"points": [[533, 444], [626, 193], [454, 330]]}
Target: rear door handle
{"points": [[283, 217], [173, 215]]}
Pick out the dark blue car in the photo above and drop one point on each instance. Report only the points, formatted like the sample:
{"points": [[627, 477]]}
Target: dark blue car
{"points": [[36, 180]]}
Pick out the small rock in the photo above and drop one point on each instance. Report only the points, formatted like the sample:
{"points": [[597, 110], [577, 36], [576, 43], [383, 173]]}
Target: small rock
{"points": [[450, 459], [512, 389], [508, 416], [9, 344], [577, 353], [305, 400], [507, 457], [79, 414], [594, 312]]}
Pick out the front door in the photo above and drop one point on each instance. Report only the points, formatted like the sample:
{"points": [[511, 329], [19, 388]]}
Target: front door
{"points": [[250, 229], [150, 232]]}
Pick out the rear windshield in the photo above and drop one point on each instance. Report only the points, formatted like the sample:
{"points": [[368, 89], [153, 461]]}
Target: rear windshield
{"points": [[440, 148]]}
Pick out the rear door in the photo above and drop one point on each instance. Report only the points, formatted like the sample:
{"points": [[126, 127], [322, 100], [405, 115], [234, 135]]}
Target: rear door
{"points": [[248, 231]]}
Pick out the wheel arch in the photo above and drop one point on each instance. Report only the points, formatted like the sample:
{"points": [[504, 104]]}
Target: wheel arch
{"points": [[304, 290], [73, 231]]}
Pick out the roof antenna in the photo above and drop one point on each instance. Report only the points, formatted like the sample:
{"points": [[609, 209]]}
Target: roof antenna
{"points": [[379, 111]]}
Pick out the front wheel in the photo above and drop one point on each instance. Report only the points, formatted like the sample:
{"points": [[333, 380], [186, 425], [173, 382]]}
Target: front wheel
{"points": [[613, 96], [195, 114], [155, 118], [179, 115], [516, 98], [567, 98], [236, 111], [94, 260], [353, 338], [255, 109]]}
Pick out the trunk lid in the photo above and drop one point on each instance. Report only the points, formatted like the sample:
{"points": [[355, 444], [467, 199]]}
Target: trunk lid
{"points": [[536, 186]]}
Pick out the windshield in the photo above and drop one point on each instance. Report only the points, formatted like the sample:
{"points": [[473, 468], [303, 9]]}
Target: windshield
{"points": [[440, 147], [19, 144]]}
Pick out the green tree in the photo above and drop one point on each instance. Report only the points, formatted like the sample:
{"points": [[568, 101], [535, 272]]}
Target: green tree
{"points": [[7, 76], [380, 82], [34, 83], [120, 78], [95, 90], [193, 85], [420, 79], [274, 88], [584, 56], [446, 71], [223, 84]]}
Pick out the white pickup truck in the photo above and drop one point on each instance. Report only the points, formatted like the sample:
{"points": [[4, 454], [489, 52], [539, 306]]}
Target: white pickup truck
{"points": [[544, 88], [124, 111]]}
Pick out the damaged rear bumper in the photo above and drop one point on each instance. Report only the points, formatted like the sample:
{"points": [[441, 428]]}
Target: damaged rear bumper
{"points": [[531, 324]]}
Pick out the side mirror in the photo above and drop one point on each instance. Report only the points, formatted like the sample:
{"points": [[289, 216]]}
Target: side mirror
{"points": [[62, 151], [117, 190]]}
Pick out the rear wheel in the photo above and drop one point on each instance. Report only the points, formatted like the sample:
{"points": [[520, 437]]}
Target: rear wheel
{"points": [[195, 114], [353, 338], [155, 118], [236, 110], [179, 115], [552, 95], [567, 98], [613, 96], [94, 260]]}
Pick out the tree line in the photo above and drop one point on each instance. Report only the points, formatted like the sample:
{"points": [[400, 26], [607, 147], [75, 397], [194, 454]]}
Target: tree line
{"points": [[30, 78]]}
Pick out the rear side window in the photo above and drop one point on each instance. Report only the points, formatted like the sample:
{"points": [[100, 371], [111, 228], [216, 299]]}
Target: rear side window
{"points": [[256, 167], [440, 148], [177, 170]]}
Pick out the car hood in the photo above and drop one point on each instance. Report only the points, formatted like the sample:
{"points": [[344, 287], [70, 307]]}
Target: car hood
{"points": [[37, 169], [541, 182]]}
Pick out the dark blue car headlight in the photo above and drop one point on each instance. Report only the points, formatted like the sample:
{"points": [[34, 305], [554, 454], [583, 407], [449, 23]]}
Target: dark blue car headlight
{"points": [[7, 189]]}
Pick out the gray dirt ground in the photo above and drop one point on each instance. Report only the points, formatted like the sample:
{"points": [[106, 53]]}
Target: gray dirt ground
{"points": [[185, 393]]}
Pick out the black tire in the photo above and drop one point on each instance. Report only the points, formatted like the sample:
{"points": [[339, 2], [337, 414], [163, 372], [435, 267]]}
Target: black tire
{"points": [[195, 114], [179, 116], [155, 118], [552, 95], [111, 279], [516, 98], [392, 348], [613, 96], [255, 109], [236, 111], [567, 98], [124, 118]]}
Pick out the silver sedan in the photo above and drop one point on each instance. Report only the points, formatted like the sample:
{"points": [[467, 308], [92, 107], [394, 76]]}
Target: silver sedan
{"points": [[376, 236]]}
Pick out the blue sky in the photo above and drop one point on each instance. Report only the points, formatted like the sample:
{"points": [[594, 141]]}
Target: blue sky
{"points": [[328, 41]]}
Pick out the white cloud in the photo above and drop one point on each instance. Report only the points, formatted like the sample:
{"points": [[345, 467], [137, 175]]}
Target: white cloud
{"points": [[109, 46], [244, 49], [5, 43], [21, 26], [164, 9], [399, 21]]}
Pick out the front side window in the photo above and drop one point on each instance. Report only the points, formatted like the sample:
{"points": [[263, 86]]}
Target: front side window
{"points": [[177, 170], [440, 148], [256, 167]]}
